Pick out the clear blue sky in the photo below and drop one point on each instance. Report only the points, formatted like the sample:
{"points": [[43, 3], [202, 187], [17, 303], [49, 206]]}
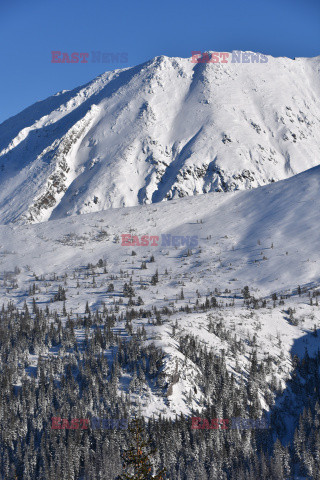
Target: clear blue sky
{"points": [[31, 29]]}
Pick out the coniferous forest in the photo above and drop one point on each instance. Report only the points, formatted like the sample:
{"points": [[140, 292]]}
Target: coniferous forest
{"points": [[76, 379]]}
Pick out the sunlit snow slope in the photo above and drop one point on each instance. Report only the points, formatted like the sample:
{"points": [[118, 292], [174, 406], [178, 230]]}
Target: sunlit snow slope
{"points": [[267, 237], [164, 129]]}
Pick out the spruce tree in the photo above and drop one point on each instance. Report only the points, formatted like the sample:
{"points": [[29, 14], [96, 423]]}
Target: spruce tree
{"points": [[136, 459]]}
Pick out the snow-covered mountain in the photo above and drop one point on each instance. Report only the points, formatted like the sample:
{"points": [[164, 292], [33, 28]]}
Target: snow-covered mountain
{"points": [[164, 129], [213, 319], [266, 238]]}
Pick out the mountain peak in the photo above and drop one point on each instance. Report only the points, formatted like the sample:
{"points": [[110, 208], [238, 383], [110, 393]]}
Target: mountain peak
{"points": [[167, 128]]}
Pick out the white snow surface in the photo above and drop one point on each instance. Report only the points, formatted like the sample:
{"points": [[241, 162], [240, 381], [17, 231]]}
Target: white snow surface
{"points": [[266, 238], [164, 129]]}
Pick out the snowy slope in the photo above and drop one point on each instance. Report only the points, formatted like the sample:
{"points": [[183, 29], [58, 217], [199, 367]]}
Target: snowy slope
{"points": [[164, 129], [266, 238], [234, 232]]}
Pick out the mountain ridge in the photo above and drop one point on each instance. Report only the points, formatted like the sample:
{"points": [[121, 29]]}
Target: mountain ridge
{"points": [[164, 129]]}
